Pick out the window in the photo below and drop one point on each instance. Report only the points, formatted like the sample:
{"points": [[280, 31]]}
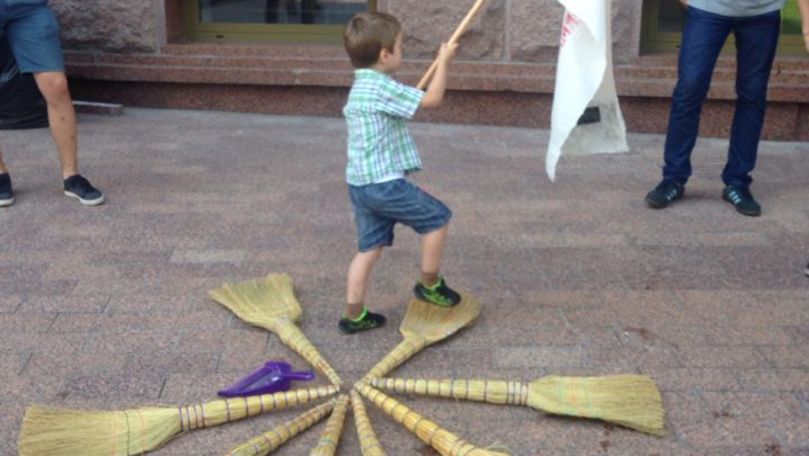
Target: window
{"points": [[663, 24], [278, 20]]}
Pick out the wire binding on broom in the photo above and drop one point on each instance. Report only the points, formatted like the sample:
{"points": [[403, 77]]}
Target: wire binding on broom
{"points": [[279, 435], [59, 432], [632, 401], [369, 444], [330, 438], [491, 391], [405, 350], [443, 441]]}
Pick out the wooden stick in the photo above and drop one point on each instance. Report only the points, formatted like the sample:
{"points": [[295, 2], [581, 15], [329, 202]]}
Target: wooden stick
{"points": [[454, 39]]}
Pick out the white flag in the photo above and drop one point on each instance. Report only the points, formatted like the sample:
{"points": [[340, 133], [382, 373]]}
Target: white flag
{"points": [[586, 116]]}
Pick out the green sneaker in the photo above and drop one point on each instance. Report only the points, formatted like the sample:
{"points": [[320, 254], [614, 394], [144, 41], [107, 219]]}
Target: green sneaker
{"points": [[439, 294], [366, 320]]}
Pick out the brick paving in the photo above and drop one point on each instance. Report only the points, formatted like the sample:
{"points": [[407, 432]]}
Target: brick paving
{"points": [[107, 308]]}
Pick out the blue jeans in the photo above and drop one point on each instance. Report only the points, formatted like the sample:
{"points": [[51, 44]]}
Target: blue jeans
{"points": [[703, 37]]}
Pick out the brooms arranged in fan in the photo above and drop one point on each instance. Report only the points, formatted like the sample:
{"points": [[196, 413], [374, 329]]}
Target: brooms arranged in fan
{"points": [[631, 401], [270, 303]]}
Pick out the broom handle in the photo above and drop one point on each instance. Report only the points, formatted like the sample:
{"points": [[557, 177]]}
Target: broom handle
{"points": [[445, 442], [491, 391], [293, 337], [224, 411], [454, 39], [369, 444], [327, 445], [279, 435], [401, 353]]}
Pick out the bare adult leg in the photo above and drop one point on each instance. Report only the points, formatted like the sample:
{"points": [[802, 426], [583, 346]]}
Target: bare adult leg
{"points": [[62, 118]]}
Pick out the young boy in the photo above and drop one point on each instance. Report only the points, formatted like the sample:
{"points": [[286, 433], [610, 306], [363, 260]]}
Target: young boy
{"points": [[380, 154]]}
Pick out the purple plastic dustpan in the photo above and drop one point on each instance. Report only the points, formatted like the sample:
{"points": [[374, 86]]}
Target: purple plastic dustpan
{"points": [[272, 377]]}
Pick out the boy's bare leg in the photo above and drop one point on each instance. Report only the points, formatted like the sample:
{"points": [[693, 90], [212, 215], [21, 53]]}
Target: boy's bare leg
{"points": [[358, 273], [432, 248], [62, 118], [3, 168]]}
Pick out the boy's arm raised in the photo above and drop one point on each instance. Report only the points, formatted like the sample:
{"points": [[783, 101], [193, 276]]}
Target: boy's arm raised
{"points": [[438, 85]]}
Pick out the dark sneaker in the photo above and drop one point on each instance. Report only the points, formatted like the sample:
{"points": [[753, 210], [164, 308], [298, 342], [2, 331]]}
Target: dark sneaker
{"points": [[6, 193], [80, 188], [742, 199], [439, 294], [806, 271], [366, 321], [666, 192]]}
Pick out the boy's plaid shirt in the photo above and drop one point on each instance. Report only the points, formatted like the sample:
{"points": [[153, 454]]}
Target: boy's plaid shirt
{"points": [[378, 141]]}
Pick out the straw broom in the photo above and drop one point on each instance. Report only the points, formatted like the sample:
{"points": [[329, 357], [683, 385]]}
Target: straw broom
{"points": [[425, 324], [52, 432], [270, 441], [327, 445], [270, 303], [369, 444], [632, 401], [467, 21], [443, 441]]}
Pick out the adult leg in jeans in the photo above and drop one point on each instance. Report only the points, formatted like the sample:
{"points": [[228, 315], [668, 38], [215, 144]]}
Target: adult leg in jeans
{"points": [[756, 43], [703, 37]]}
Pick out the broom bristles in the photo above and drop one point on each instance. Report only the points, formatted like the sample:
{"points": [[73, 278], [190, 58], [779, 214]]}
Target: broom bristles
{"points": [[279, 435], [443, 441], [435, 323], [330, 438], [632, 401], [259, 300], [270, 303], [47, 431], [51, 432], [369, 444]]}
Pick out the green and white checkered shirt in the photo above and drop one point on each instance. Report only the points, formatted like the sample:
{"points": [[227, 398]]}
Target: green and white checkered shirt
{"points": [[379, 144]]}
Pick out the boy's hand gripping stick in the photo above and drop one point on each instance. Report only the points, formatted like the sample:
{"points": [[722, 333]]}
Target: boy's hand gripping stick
{"points": [[467, 21]]}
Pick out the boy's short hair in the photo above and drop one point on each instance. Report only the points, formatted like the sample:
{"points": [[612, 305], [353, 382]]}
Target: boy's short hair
{"points": [[367, 34]]}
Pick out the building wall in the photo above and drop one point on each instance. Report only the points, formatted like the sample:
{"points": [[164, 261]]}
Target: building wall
{"points": [[134, 52], [109, 25], [507, 31]]}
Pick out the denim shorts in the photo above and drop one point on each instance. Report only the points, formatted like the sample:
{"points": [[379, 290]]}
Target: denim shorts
{"points": [[379, 207], [33, 35]]}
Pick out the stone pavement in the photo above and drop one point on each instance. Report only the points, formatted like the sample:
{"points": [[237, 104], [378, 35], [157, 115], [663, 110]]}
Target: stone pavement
{"points": [[107, 308]]}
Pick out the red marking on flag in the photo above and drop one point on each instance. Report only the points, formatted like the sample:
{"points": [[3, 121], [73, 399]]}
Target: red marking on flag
{"points": [[569, 24]]}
